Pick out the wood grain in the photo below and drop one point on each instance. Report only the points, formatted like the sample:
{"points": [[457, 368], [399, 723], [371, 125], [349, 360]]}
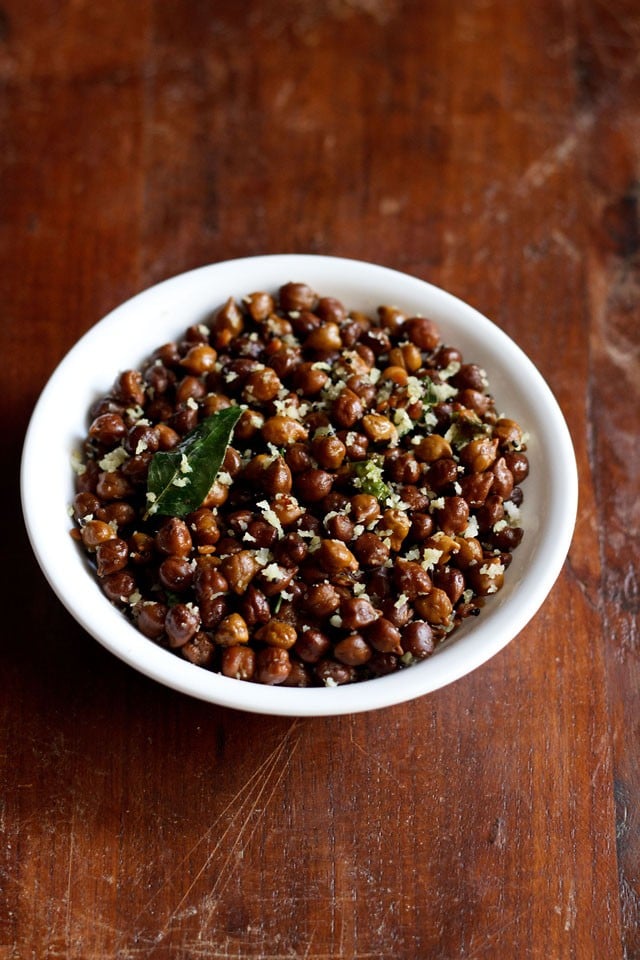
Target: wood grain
{"points": [[490, 147]]}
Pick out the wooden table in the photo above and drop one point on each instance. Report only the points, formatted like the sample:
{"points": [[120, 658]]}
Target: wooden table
{"points": [[492, 147]]}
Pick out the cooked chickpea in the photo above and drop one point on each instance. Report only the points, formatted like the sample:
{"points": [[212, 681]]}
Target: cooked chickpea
{"points": [[347, 408], [273, 665], [311, 645], [287, 509], [141, 548], [313, 485], [334, 556], [113, 485], [213, 610], [324, 339], [475, 487], [190, 388], [353, 650], [417, 639], [200, 359], [276, 478], [435, 607], [232, 631], [370, 550], [167, 438], [518, 464], [356, 443], [239, 663], [487, 577], [340, 528], [469, 552], [451, 581], [442, 473], [410, 578], [108, 429], [396, 374], [129, 388], [365, 508], [469, 377], [204, 528], [454, 515], [391, 318], [227, 324], [309, 379], [479, 455], [85, 505], [422, 332], [330, 671], [119, 586], [297, 296], [322, 600], [283, 431], [379, 429], [329, 308], [95, 532], [176, 574], [173, 537], [398, 524], [260, 305], [384, 636], [329, 451], [199, 650], [111, 555], [434, 447], [502, 479], [276, 633], [181, 624], [150, 619], [261, 386], [357, 613], [240, 570]]}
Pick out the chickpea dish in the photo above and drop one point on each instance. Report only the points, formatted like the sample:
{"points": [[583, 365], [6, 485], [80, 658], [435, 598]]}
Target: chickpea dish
{"points": [[297, 493]]}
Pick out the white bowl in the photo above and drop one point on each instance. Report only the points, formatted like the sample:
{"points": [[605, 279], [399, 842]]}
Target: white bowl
{"points": [[132, 331]]}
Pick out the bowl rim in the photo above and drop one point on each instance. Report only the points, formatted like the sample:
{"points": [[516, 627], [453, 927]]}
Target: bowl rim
{"points": [[489, 635]]}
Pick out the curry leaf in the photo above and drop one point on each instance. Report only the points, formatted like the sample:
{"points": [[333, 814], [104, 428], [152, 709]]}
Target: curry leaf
{"points": [[179, 479]]}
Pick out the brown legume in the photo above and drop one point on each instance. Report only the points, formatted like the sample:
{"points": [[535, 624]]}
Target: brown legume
{"points": [[273, 665], [199, 650], [111, 556], [150, 619], [118, 587], [231, 631], [417, 639], [108, 429], [176, 574], [239, 662], [181, 624]]}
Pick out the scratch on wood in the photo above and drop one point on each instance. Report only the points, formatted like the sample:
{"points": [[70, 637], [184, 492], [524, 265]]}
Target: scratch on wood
{"points": [[489, 939], [553, 159], [248, 796], [368, 755], [242, 814], [246, 819], [570, 910], [69, 875]]}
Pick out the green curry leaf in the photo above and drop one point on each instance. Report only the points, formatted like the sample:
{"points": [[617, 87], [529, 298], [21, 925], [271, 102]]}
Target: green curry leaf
{"points": [[179, 479]]}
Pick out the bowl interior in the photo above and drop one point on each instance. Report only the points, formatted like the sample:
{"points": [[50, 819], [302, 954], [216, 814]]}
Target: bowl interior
{"points": [[131, 332]]}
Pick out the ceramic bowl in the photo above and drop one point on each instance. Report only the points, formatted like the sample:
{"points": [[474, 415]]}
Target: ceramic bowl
{"points": [[133, 330]]}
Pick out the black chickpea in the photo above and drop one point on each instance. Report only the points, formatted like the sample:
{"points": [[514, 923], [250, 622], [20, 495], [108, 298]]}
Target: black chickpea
{"points": [[369, 500]]}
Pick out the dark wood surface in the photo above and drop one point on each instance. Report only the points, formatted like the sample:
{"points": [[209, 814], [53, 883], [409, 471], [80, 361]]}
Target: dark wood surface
{"points": [[489, 146]]}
